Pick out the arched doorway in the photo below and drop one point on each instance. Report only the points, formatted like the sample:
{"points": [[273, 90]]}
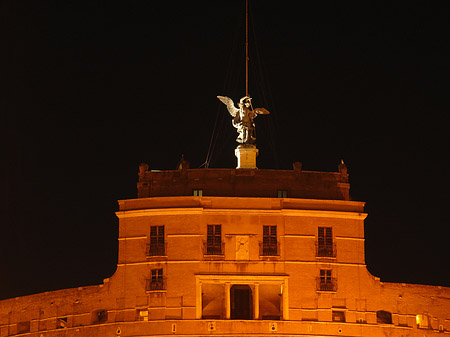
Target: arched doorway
{"points": [[241, 302]]}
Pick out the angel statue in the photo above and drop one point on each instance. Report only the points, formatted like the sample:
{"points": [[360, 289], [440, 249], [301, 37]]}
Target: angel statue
{"points": [[243, 118]]}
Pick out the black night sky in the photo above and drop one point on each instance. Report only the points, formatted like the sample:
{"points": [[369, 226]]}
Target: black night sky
{"points": [[93, 88]]}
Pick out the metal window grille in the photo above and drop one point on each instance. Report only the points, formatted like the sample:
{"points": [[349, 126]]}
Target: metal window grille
{"points": [[269, 250], [326, 282]]}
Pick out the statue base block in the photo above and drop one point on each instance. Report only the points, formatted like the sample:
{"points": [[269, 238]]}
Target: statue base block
{"points": [[246, 156]]}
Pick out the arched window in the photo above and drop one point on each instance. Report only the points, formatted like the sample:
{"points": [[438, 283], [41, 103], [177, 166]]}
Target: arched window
{"points": [[384, 317]]}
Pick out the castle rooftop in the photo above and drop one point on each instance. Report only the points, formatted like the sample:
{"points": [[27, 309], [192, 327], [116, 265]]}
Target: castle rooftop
{"points": [[267, 183]]}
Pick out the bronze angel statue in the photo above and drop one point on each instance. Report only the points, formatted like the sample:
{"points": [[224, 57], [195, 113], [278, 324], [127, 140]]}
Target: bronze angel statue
{"points": [[243, 118]]}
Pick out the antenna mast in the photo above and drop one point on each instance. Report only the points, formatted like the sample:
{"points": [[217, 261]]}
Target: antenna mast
{"points": [[243, 117], [246, 48]]}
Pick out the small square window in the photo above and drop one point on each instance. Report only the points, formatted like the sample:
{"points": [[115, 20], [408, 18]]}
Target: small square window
{"points": [[384, 317], [325, 275], [326, 282], [422, 321], [99, 316], [23, 327], [338, 316], [282, 194], [142, 314], [197, 193], [156, 281]]}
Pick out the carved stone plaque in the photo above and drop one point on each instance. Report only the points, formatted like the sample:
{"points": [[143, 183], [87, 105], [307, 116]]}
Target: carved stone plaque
{"points": [[242, 247]]}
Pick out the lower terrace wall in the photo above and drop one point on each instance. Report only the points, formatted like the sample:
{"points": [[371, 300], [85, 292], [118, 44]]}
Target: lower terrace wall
{"points": [[104, 310], [237, 328], [60, 309]]}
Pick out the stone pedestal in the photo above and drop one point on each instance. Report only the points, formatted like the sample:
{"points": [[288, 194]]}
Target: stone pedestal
{"points": [[246, 156]]}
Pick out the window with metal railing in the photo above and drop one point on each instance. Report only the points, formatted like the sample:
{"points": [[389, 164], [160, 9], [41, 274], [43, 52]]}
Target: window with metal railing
{"points": [[269, 246], [156, 281], [325, 282], [325, 246], [157, 246], [269, 250]]}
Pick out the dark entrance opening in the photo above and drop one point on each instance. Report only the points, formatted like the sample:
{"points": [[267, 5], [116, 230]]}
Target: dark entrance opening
{"points": [[241, 302]]}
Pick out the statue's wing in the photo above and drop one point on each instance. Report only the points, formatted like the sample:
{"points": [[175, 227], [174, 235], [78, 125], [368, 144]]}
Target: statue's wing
{"points": [[261, 111], [230, 105]]}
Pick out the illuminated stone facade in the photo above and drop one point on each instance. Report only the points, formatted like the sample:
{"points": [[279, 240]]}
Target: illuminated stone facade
{"points": [[237, 252]]}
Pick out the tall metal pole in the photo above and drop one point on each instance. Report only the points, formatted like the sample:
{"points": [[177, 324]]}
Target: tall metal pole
{"points": [[246, 47]]}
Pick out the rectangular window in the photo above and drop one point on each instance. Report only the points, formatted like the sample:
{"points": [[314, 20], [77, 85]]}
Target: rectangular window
{"points": [[325, 282], [214, 240], [325, 247], [157, 244], [197, 193], [338, 316], [282, 194], [270, 244], [99, 316], [23, 327], [384, 317], [325, 275], [142, 314], [156, 281]]}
